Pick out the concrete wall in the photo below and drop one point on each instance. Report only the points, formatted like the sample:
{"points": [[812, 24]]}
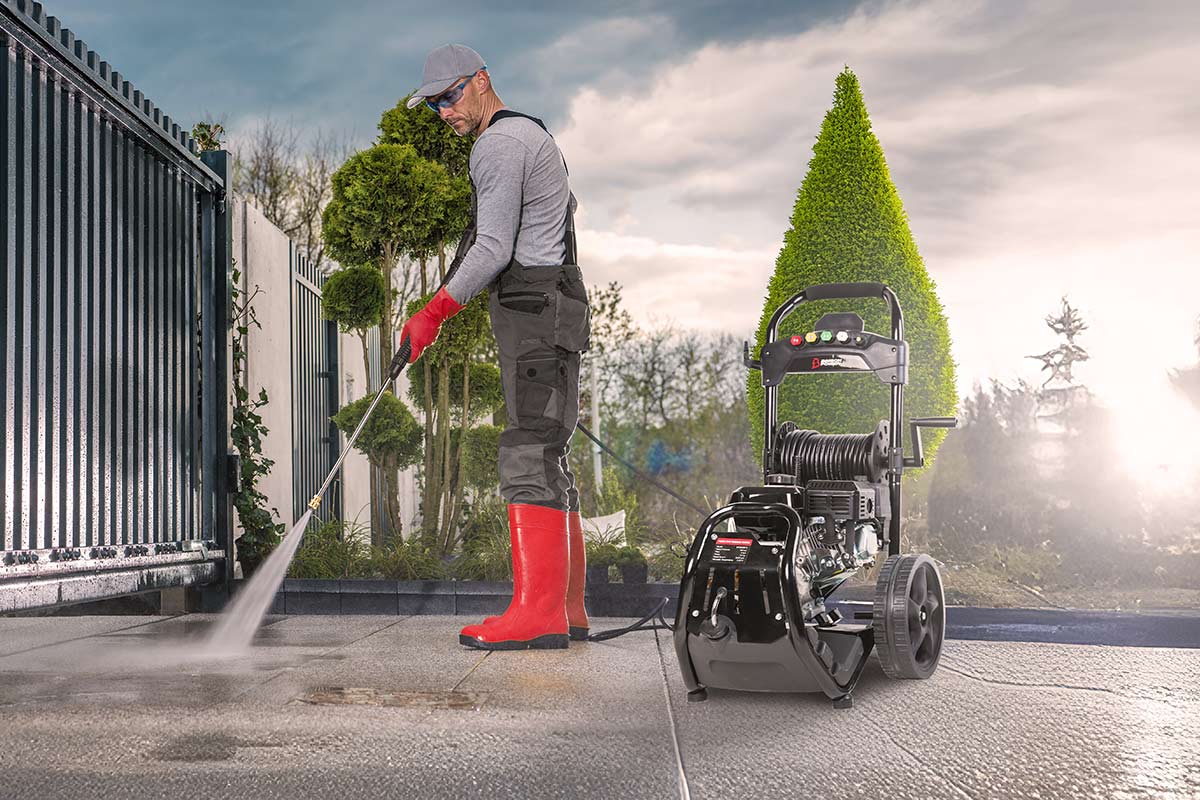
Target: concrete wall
{"points": [[263, 255]]}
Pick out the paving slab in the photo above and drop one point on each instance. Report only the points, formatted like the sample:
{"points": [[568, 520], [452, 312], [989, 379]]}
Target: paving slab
{"points": [[27, 633], [393, 706], [1054, 721]]}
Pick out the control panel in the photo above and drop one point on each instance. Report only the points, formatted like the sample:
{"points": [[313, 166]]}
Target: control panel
{"points": [[845, 347]]}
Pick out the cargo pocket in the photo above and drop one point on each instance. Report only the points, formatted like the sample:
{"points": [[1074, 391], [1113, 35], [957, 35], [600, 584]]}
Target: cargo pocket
{"points": [[541, 387], [522, 314], [525, 302], [572, 322]]}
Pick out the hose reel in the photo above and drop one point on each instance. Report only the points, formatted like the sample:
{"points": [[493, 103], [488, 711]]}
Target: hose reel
{"points": [[807, 455]]}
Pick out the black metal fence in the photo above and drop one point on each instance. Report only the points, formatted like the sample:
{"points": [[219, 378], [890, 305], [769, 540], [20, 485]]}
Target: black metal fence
{"points": [[113, 291], [315, 440]]}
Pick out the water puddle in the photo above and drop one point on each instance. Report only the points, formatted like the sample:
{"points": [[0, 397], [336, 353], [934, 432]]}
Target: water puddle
{"points": [[350, 696]]}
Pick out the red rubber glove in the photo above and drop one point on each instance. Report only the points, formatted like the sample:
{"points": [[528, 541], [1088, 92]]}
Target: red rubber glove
{"points": [[423, 327]]}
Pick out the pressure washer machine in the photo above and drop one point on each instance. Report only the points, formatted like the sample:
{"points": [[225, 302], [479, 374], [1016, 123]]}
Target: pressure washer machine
{"points": [[755, 610]]}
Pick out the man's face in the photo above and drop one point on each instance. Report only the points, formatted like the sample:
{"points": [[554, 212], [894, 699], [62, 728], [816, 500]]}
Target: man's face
{"points": [[464, 115]]}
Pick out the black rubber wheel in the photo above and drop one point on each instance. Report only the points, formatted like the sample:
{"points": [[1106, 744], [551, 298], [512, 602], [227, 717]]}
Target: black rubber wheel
{"points": [[909, 616]]}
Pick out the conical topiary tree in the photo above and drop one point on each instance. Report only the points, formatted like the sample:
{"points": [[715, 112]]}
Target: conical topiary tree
{"points": [[848, 225]]}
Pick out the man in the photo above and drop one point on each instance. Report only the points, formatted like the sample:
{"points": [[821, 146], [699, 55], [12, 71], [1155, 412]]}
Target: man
{"points": [[520, 245]]}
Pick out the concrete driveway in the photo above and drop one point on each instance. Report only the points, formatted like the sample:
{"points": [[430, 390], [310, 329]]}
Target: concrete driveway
{"points": [[346, 707]]}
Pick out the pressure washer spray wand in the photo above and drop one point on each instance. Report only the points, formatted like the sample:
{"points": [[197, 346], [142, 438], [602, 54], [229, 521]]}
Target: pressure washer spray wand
{"points": [[399, 362]]}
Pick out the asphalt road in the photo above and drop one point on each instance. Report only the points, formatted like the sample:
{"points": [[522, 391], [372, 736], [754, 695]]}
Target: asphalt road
{"points": [[345, 707]]}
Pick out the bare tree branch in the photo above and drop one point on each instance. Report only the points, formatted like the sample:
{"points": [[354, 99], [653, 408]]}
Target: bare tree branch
{"points": [[289, 180]]}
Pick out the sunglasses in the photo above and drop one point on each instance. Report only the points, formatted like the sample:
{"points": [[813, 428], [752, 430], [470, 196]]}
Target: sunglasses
{"points": [[452, 96]]}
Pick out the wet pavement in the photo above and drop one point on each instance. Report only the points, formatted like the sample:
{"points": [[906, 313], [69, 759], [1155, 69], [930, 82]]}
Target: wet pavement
{"points": [[342, 707]]}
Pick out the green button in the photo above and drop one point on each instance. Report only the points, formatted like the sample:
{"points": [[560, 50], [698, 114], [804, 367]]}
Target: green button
{"points": [[826, 336]]}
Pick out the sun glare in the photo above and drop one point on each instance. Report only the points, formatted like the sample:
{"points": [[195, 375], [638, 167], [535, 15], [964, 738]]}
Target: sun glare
{"points": [[1158, 435]]}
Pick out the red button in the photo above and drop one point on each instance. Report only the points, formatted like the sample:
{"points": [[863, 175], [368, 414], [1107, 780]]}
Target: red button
{"points": [[797, 341]]}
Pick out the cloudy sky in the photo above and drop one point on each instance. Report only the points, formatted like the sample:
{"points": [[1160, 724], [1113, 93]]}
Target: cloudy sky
{"points": [[1040, 148]]}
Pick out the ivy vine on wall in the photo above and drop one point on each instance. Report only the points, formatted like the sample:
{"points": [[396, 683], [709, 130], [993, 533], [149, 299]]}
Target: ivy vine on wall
{"points": [[260, 531]]}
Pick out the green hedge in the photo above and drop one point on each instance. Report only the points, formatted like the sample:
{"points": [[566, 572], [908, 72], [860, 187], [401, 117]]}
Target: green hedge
{"points": [[848, 224]]}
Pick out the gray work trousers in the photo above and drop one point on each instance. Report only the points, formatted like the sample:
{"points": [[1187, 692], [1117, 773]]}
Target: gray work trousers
{"points": [[542, 322]]}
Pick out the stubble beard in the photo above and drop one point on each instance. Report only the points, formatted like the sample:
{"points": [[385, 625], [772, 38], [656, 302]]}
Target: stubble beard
{"points": [[467, 131]]}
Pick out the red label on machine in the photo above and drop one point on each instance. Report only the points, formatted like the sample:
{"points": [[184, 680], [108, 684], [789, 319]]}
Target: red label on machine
{"points": [[729, 550]]}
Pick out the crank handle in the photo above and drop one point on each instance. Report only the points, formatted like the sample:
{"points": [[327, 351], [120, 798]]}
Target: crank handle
{"points": [[915, 424]]}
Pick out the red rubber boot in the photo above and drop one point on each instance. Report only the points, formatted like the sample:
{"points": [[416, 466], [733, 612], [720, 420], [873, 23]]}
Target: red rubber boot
{"points": [[577, 621], [537, 617]]}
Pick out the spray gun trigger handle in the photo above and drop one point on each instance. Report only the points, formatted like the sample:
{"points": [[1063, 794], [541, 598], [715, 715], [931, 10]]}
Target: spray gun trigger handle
{"points": [[400, 359]]}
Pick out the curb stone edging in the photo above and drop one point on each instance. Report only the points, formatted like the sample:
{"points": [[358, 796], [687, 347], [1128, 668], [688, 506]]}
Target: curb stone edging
{"points": [[467, 598], [478, 598]]}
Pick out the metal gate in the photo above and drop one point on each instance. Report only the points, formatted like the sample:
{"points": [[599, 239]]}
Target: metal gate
{"points": [[315, 440], [114, 274]]}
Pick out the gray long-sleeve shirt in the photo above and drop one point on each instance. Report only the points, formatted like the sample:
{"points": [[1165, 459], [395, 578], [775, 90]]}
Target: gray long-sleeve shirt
{"points": [[521, 195]]}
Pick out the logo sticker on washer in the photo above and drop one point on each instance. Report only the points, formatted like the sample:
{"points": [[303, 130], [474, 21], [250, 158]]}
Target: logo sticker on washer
{"points": [[730, 550], [849, 361]]}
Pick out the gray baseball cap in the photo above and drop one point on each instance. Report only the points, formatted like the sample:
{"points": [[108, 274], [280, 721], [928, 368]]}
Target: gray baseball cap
{"points": [[443, 66]]}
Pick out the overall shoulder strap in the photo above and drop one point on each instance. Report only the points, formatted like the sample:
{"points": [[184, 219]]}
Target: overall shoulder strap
{"points": [[505, 113], [569, 237]]}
